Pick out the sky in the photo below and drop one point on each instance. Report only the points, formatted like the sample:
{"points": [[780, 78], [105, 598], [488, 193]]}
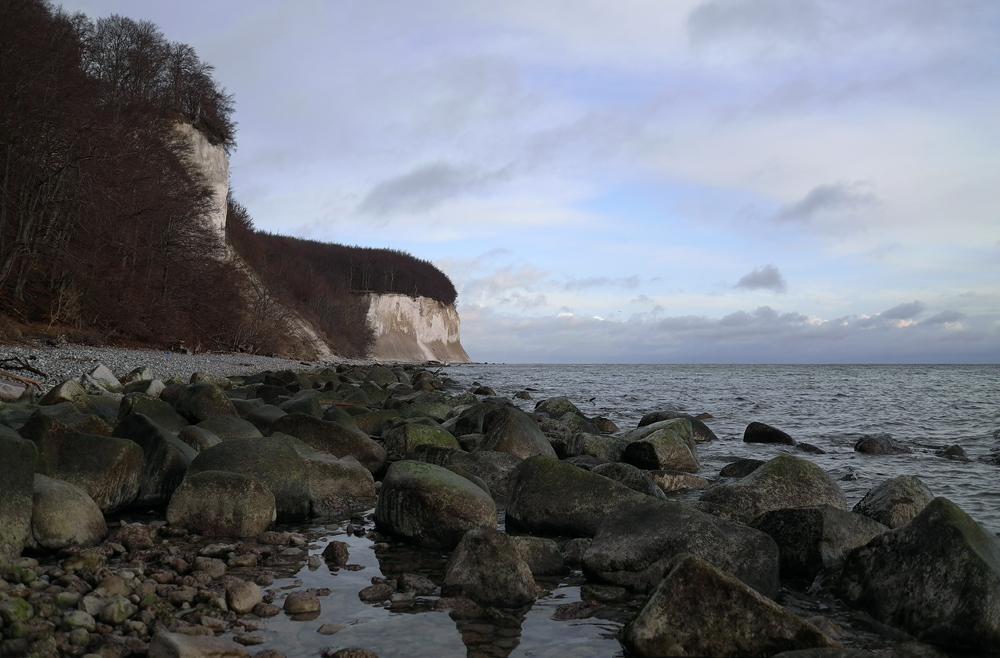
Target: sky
{"points": [[637, 181]]}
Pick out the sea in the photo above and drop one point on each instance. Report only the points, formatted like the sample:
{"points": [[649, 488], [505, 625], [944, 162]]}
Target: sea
{"points": [[925, 407]]}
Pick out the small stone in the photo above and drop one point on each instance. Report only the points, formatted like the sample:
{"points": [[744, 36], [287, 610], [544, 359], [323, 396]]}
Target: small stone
{"points": [[266, 610], [243, 596], [74, 619], [212, 566], [337, 553], [330, 628], [298, 603], [213, 624], [376, 593], [250, 639], [79, 637], [352, 653], [182, 645]]}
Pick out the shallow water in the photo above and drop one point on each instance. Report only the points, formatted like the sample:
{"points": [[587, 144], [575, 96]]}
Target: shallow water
{"points": [[924, 407]]}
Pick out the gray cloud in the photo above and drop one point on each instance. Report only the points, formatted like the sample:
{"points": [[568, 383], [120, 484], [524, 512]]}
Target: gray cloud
{"points": [[772, 22], [904, 311], [427, 186], [521, 300], [764, 278], [944, 317], [839, 197], [628, 283], [642, 299]]}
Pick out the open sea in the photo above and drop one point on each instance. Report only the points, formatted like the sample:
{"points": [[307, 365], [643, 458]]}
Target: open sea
{"points": [[925, 407]]}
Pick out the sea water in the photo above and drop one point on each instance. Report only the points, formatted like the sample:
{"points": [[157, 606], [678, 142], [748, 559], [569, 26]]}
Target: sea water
{"points": [[926, 408]]}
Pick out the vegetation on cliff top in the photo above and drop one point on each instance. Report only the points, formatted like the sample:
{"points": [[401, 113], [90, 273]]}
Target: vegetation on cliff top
{"points": [[102, 223]]}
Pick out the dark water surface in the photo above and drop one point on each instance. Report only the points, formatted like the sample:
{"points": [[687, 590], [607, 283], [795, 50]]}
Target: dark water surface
{"points": [[924, 407]]}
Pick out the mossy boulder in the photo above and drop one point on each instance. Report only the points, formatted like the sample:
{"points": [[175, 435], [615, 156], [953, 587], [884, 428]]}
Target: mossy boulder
{"points": [[63, 515], [404, 439], [155, 409], [337, 485], [487, 568], [430, 505], [632, 477], [552, 497], [937, 578], [203, 400], [664, 449], [511, 430], [638, 541], [230, 427], [166, 458], [699, 610], [556, 407], [17, 468], [332, 438], [895, 502], [271, 461], [700, 432], [222, 504], [785, 481]]}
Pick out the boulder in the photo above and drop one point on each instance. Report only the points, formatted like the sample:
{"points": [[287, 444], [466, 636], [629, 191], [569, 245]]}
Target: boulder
{"points": [[198, 438], [332, 438], [203, 400], [511, 430], [165, 458], [741, 468], [372, 423], [17, 468], [337, 485], [637, 542], [700, 432], [607, 448], [670, 481], [430, 505], [156, 410], [634, 478], [542, 555], [937, 578], [404, 439], [230, 427], [303, 404], [664, 449], [895, 502], [880, 444], [811, 539], [271, 461], [785, 481], [487, 568], [151, 388], [68, 391], [556, 407], [699, 610], [107, 468], [63, 515], [222, 504], [263, 416], [474, 419], [552, 497], [381, 375], [763, 433], [493, 468]]}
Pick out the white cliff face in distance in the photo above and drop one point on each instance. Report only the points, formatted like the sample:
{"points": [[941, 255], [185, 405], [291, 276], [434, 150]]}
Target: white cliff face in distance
{"points": [[210, 162], [415, 329]]}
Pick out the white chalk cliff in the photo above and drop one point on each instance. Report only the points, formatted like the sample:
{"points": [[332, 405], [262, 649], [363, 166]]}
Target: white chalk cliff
{"points": [[415, 329]]}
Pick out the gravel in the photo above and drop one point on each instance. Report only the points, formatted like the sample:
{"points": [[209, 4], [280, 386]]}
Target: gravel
{"points": [[72, 361]]}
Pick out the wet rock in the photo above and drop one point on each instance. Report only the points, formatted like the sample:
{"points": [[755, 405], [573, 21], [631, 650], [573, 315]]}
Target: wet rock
{"points": [[230, 427], [243, 596], [636, 544], [266, 610], [14, 610], [351, 652], [376, 593], [337, 553], [203, 400], [487, 568], [405, 439], [337, 485], [165, 458], [431, 505], [151, 388], [222, 504], [542, 555], [955, 453], [785, 481], [177, 645], [669, 447], [811, 539], [583, 444], [513, 431], [553, 497], [880, 444], [63, 515], [214, 567], [895, 502], [556, 407], [937, 578], [74, 619], [416, 584], [298, 603], [604, 593], [199, 439], [632, 477], [154, 409], [375, 422], [332, 438], [700, 432], [17, 470], [271, 461], [117, 611], [669, 481], [699, 610], [763, 433], [493, 468], [604, 425]]}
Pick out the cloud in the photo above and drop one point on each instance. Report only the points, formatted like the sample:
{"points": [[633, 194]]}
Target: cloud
{"points": [[836, 198], [522, 300], [768, 22], [903, 311], [944, 317], [628, 283], [764, 278], [642, 299], [426, 187]]}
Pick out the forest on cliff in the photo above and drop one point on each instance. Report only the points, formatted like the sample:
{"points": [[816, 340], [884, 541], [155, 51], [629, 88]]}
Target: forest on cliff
{"points": [[102, 221]]}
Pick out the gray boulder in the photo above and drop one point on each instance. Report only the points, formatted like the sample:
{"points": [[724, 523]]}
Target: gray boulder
{"points": [[156, 410], [634, 478], [895, 502], [757, 432], [700, 432], [511, 430], [271, 461], [230, 427], [165, 458], [785, 481], [406, 438], [880, 444], [556, 407], [337, 485], [699, 610], [811, 539], [222, 504], [542, 555], [17, 468], [332, 438], [937, 578], [638, 541], [487, 568], [63, 515], [493, 468], [666, 445], [607, 448], [430, 505], [203, 400], [552, 497], [198, 438]]}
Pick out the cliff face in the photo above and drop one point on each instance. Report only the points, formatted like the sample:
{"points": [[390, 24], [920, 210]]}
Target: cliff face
{"points": [[209, 161], [415, 329]]}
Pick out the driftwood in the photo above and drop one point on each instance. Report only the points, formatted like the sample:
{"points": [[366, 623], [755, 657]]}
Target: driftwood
{"points": [[23, 380]]}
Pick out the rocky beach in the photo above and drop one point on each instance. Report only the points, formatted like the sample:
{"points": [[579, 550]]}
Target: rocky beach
{"points": [[230, 505]]}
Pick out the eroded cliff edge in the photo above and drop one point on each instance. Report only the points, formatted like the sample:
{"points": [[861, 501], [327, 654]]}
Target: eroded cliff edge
{"points": [[415, 329]]}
